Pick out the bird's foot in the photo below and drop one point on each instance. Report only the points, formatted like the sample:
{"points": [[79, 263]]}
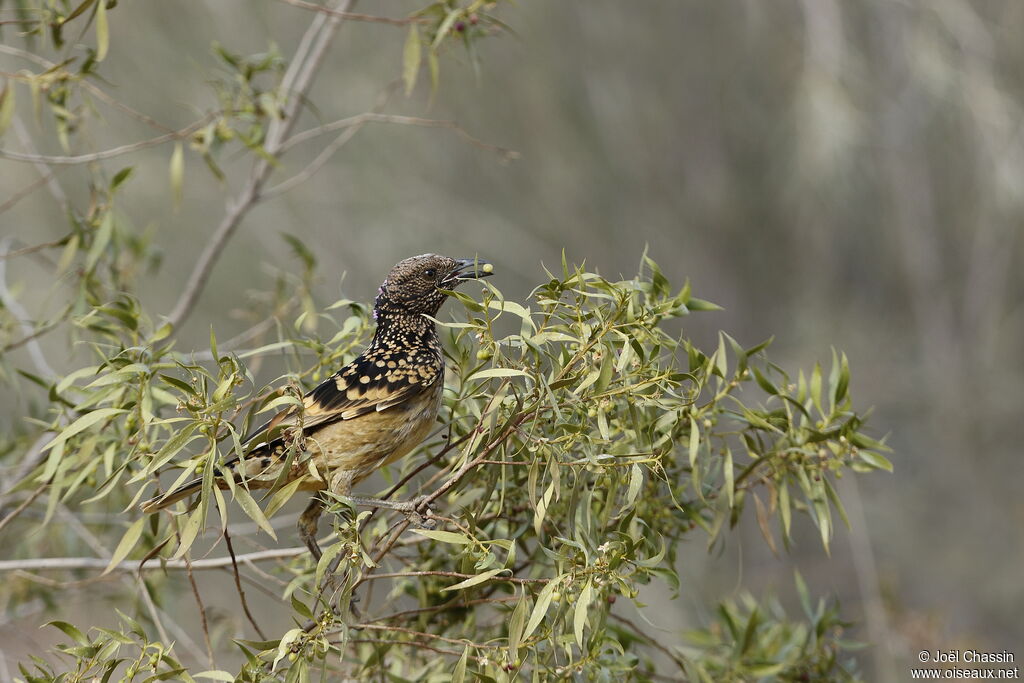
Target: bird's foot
{"points": [[418, 512]]}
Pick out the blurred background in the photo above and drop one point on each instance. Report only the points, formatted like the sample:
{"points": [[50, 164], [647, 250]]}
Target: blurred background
{"points": [[845, 174]]}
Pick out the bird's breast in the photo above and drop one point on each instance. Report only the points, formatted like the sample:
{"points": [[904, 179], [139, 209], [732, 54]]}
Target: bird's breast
{"points": [[351, 450]]}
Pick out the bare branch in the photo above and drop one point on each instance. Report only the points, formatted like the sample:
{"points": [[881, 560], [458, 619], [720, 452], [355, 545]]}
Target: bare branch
{"points": [[412, 643], [314, 166], [423, 634], [353, 16], [70, 563], [32, 248], [21, 508], [453, 604], [202, 610], [454, 575], [18, 196], [297, 80], [352, 125], [374, 117], [14, 306], [238, 586]]}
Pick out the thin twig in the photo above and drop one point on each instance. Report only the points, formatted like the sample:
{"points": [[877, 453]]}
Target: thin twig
{"points": [[453, 604], [108, 153], [202, 609], [31, 460], [411, 643], [14, 306], [17, 197], [374, 117], [44, 169], [30, 338], [636, 629], [454, 575], [353, 16], [315, 165], [34, 247], [238, 586], [154, 614], [21, 508], [409, 631]]}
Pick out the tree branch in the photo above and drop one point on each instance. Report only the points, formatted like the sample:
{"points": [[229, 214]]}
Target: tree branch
{"points": [[353, 16], [68, 563], [108, 153], [296, 82], [374, 117]]}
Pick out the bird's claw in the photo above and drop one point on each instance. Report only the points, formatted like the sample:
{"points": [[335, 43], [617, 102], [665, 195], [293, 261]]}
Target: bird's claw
{"points": [[418, 512]]}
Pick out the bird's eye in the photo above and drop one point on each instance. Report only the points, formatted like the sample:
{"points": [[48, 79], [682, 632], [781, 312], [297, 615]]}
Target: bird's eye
{"points": [[429, 273]]}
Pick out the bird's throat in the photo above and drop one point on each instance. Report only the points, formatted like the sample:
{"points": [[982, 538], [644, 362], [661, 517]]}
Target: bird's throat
{"points": [[404, 329]]}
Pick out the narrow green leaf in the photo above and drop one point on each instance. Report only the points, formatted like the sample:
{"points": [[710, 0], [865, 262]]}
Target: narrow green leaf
{"points": [[411, 57], [100, 241], [83, 423], [748, 633], [459, 673], [445, 27], [250, 507], [281, 496], [444, 536], [102, 31], [70, 630], [540, 610], [499, 372], [694, 441], [843, 383], [579, 617], [516, 624], [816, 387], [474, 580], [784, 507], [177, 174], [876, 460], [836, 502], [6, 106], [326, 559], [86, 4], [730, 479], [765, 383], [803, 593], [607, 368], [189, 532], [128, 541], [636, 480], [435, 72]]}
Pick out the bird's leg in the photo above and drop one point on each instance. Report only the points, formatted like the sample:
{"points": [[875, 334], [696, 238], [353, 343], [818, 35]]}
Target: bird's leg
{"points": [[307, 525], [409, 508]]}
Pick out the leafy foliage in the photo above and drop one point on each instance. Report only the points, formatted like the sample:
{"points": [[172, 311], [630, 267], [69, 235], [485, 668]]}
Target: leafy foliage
{"points": [[585, 443], [585, 440]]}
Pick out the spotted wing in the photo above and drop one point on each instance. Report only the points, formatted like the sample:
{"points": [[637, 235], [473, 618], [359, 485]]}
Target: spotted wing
{"points": [[376, 381]]}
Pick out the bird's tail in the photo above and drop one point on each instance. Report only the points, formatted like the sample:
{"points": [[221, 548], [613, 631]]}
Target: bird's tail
{"points": [[169, 499], [187, 489]]}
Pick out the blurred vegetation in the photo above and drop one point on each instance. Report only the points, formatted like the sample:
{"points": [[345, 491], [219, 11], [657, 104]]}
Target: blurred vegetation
{"points": [[832, 173]]}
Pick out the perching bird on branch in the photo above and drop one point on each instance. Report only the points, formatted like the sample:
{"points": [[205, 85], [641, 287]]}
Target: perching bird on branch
{"points": [[368, 414]]}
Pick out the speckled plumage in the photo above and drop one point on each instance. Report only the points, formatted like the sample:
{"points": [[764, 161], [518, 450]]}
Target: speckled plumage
{"points": [[371, 412]]}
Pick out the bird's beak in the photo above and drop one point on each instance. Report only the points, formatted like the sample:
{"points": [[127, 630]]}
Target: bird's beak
{"points": [[470, 269]]}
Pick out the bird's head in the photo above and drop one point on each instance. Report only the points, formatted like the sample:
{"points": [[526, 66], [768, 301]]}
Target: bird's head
{"points": [[418, 284]]}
